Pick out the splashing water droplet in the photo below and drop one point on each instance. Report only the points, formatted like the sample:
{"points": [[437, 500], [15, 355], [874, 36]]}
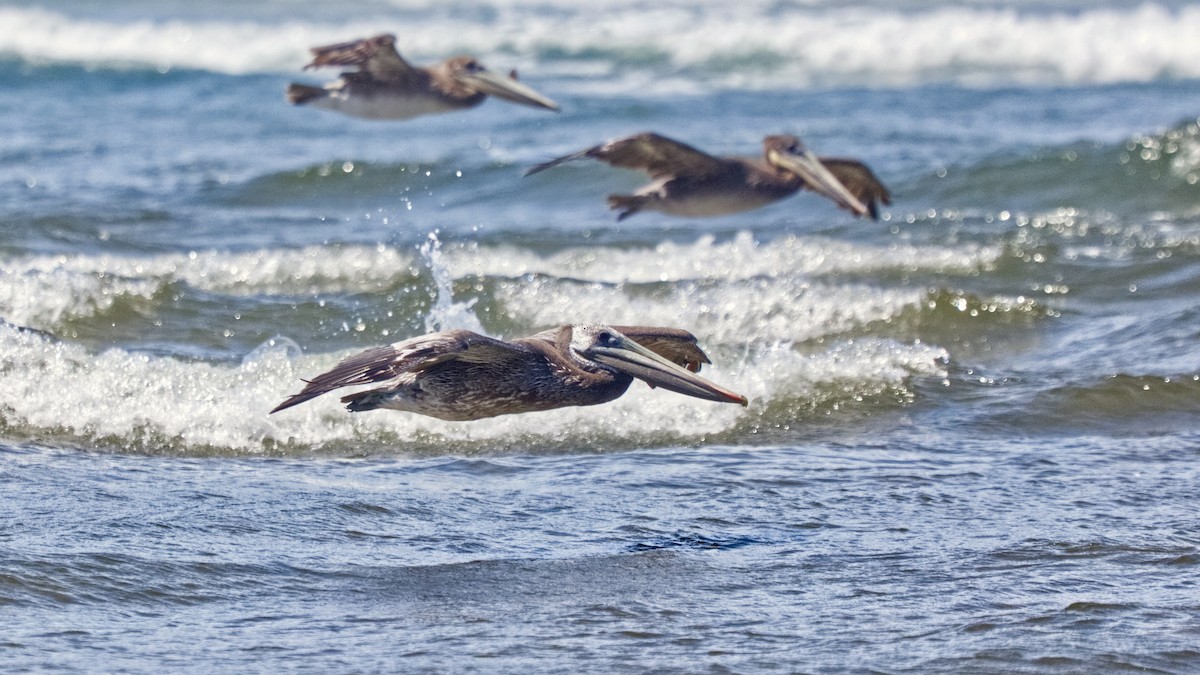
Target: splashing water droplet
{"points": [[276, 347], [445, 313]]}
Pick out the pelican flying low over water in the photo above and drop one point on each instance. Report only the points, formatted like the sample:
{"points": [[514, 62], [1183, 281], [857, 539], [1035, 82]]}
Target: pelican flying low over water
{"points": [[689, 182], [459, 375], [386, 87]]}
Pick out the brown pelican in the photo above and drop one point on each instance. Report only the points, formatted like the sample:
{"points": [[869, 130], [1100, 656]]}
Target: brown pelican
{"points": [[688, 182], [459, 375], [386, 87]]}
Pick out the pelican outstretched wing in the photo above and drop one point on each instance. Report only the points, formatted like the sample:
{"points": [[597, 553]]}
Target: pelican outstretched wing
{"points": [[673, 344], [380, 364], [376, 56], [656, 155], [860, 181]]}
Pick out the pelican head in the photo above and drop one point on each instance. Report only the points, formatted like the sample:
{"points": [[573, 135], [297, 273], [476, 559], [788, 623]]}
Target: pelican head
{"points": [[788, 153], [613, 351], [470, 73]]}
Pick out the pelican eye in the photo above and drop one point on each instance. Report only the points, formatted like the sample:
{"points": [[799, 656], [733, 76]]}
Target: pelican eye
{"points": [[607, 338]]}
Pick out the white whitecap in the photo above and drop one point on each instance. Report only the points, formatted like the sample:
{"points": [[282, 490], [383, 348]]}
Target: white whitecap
{"points": [[672, 46]]}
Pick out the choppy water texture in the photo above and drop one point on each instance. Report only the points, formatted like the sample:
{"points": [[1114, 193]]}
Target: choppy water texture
{"points": [[974, 430]]}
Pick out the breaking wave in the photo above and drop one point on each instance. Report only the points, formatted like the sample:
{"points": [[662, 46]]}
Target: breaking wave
{"points": [[800, 345], [672, 46]]}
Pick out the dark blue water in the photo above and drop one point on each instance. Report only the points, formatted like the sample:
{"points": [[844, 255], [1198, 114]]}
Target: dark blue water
{"points": [[973, 432]]}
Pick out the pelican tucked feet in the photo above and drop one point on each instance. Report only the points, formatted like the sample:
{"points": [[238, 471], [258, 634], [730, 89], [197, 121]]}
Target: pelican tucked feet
{"points": [[386, 87], [459, 375], [689, 182]]}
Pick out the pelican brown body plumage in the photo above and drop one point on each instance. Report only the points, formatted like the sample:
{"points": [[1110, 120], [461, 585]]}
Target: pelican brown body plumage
{"points": [[689, 182], [385, 86], [460, 375]]}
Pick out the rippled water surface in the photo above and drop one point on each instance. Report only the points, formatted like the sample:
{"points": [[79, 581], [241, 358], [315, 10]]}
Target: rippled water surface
{"points": [[973, 433]]}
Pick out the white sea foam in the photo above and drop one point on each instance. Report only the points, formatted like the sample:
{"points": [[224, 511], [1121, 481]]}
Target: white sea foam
{"points": [[749, 302], [59, 392], [735, 314], [43, 290], [669, 44], [707, 259], [711, 279]]}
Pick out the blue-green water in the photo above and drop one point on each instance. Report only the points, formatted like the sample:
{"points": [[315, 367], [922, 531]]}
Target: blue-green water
{"points": [[973, 432]]}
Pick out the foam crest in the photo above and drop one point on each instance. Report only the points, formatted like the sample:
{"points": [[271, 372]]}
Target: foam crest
{"points": [[39, 35], [774, 298], [787, 382], [726, 44], [46, 296], [43, 290], [727, 314], [706, 259], [61, 393], [710, 280], [983, 46]]}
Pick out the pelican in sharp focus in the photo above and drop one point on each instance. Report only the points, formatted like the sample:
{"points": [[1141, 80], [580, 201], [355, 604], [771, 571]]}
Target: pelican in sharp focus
{"points": [[459, 375], [386, 87], [688, 182]]}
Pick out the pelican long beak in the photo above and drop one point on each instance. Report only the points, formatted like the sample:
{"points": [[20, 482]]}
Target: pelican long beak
{"points": [[632, 358], [807, 166], [507, 88]]}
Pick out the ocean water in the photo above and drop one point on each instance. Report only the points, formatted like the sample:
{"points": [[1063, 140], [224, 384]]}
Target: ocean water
{"points": [[974, 428]]}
